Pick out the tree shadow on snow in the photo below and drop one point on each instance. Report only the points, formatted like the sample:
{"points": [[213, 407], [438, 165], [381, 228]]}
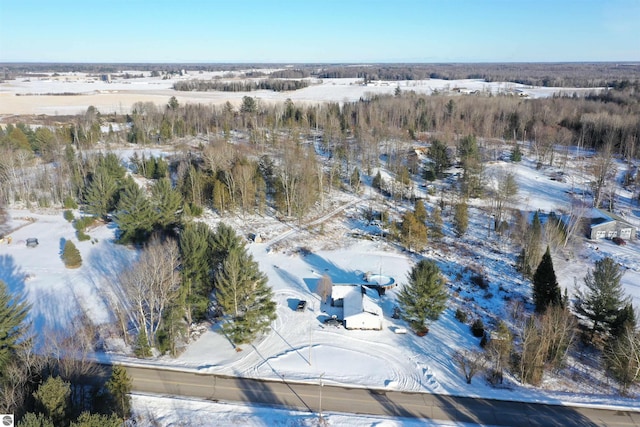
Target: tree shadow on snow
{"points": [[292, 280], [321, 266]]}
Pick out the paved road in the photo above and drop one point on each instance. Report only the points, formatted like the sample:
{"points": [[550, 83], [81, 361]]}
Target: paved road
{"points": [[307, 397]]}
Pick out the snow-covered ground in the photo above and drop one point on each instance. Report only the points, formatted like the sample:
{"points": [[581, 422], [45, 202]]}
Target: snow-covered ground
{"points": [[151, 411], [300, 347], [75, 92]]}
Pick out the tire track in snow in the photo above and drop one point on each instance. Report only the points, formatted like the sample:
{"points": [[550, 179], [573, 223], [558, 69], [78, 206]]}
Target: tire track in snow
{"points": [[294, 229]]}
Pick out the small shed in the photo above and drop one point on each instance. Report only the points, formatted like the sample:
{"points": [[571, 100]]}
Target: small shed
{"points": [[360, 310], [606, 225]]}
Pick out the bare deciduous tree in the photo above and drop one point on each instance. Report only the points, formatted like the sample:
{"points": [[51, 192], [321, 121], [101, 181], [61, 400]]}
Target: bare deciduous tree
{"points": [[558, 331], [504, 189], [469, 362], [325, 287], [70, 355], [603, 171], [622, 357], [533, 351], [152, 283]]}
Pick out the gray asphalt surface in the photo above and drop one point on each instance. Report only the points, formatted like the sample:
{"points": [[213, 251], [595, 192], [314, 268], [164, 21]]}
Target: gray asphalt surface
{"points": [[306, 397]]}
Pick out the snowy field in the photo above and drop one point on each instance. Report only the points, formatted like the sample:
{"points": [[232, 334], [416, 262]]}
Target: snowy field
{"points": [[73, 93]]}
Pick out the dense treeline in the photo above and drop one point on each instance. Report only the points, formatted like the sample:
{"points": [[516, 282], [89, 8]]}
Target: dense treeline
{"points": [[240, 86], [291, 73], [577, 74], [352, 134], [536, 74]]}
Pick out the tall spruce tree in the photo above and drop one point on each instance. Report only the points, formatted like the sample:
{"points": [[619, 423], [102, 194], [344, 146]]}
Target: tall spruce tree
{"points": [[53, 397], [135, 216], [413, 233], [420, 211], [440, 158], [197, 283], [223, 242], [546, 291], [244, 296], [469, 153], [626, 318], [424, 297], [167, 203], [100, 193], [435, 223], [13, 313], [460, 218], [603, 298], [119, 385]]}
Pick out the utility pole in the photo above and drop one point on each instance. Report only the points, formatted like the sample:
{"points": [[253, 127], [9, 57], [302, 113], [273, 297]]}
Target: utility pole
{"points": [[310, 335], [320, 402]]}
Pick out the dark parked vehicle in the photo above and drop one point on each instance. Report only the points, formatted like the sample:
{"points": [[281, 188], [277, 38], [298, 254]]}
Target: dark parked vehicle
{"points": [[32, 242], [332, 321], [302, 304], [619, 241]]}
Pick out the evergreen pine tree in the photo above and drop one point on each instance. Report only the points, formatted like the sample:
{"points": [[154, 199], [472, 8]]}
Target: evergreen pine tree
{"points": [[100, 193], [516, 154], [461, 218], [435, 223], [71, 255], [424, 297], [196, 278], [135, 216], [142, 348], [546, 291], [13, 312], [603, 297], [626, 318], [413, 233], [440, 158], [167, 203], [420, 211], [222, 242], [87, 419], [31, 419], [377, 182], [354, 180], [119, 385], [53, 398], [243, 295], [469, 153]]}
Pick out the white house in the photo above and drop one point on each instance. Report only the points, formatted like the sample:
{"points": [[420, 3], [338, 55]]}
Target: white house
{"points": [[360, 310]]}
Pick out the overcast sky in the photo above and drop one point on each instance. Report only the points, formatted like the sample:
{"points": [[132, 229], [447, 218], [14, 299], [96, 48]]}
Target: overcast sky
{"points": [[319, 30]]}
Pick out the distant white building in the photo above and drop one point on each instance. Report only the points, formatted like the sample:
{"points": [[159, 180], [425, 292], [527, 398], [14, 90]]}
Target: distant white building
{"points": [[361, 311], [606, 225]]}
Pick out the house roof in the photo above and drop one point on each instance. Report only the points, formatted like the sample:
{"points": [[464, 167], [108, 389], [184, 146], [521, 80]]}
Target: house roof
{"points": [[600, 217], [355, 301]]}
